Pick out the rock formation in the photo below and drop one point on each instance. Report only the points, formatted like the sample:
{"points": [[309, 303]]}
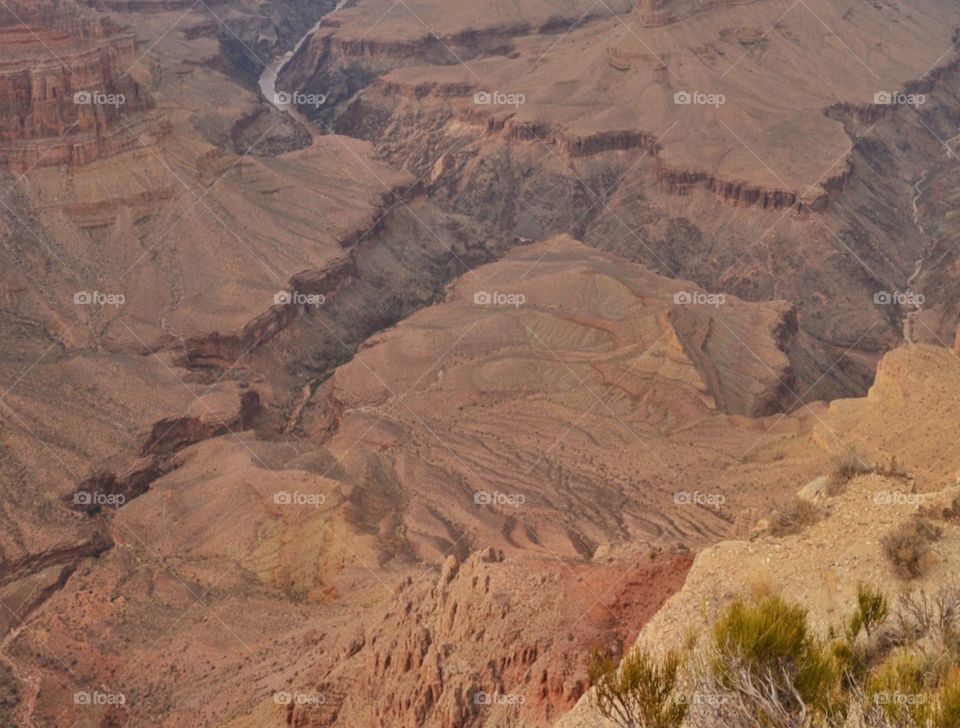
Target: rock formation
{"points": [[68, 92]]}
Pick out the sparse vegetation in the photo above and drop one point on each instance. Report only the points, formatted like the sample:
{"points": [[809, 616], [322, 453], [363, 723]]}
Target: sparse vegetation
{"points": [[948, 700], [931, 621], [908, 547], [794, 516], [872, 610], [951, 512], [763, 667], [901, 674], [893, 469], [765, 658], [639, 693], [844, 467]]}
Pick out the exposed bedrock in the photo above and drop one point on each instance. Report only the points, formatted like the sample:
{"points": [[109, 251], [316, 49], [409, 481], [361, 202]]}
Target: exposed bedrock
{"points": [[67, 94], [828, 243]]}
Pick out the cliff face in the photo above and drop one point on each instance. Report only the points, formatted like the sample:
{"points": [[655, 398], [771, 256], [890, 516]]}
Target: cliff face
{"points": [[684, 182], [483, 641], [66, 93], [50, 19]]}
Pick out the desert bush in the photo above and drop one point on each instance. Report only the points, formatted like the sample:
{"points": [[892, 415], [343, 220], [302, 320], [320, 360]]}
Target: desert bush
{"points": [[761, 666], [908, 547], [762, 633], [904, 693], [893, 469], [922, 616], [952, 512], [898, 689], [844, 466], [947, 710], [906, 674], [856, 654], [852, 660], [930, 624], [778, 673], [793, 516], [641, 692], [871, 611]]}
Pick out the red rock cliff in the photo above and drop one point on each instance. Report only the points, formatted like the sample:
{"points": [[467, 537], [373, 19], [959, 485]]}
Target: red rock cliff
{"points": [[66, 93]]}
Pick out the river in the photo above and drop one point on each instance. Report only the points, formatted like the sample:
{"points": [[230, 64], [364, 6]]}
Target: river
{"points": [[268, 79]]}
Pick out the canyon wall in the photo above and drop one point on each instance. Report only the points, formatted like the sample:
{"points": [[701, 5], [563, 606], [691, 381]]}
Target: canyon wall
{"points": [[67, 93]]}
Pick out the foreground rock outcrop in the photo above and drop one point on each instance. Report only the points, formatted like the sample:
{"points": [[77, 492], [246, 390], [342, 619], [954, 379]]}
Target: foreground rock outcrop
{"points": [[822, 566]]}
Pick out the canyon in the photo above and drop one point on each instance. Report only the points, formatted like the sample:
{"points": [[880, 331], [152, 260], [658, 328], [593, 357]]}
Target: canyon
{"points": [[363, 358]]}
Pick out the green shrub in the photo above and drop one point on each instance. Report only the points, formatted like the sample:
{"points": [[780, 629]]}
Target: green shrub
{"points": [[640, 693], [769, 642], [852, 659], [853, 654], [871, 611], [898, 688], [763, 632]]}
